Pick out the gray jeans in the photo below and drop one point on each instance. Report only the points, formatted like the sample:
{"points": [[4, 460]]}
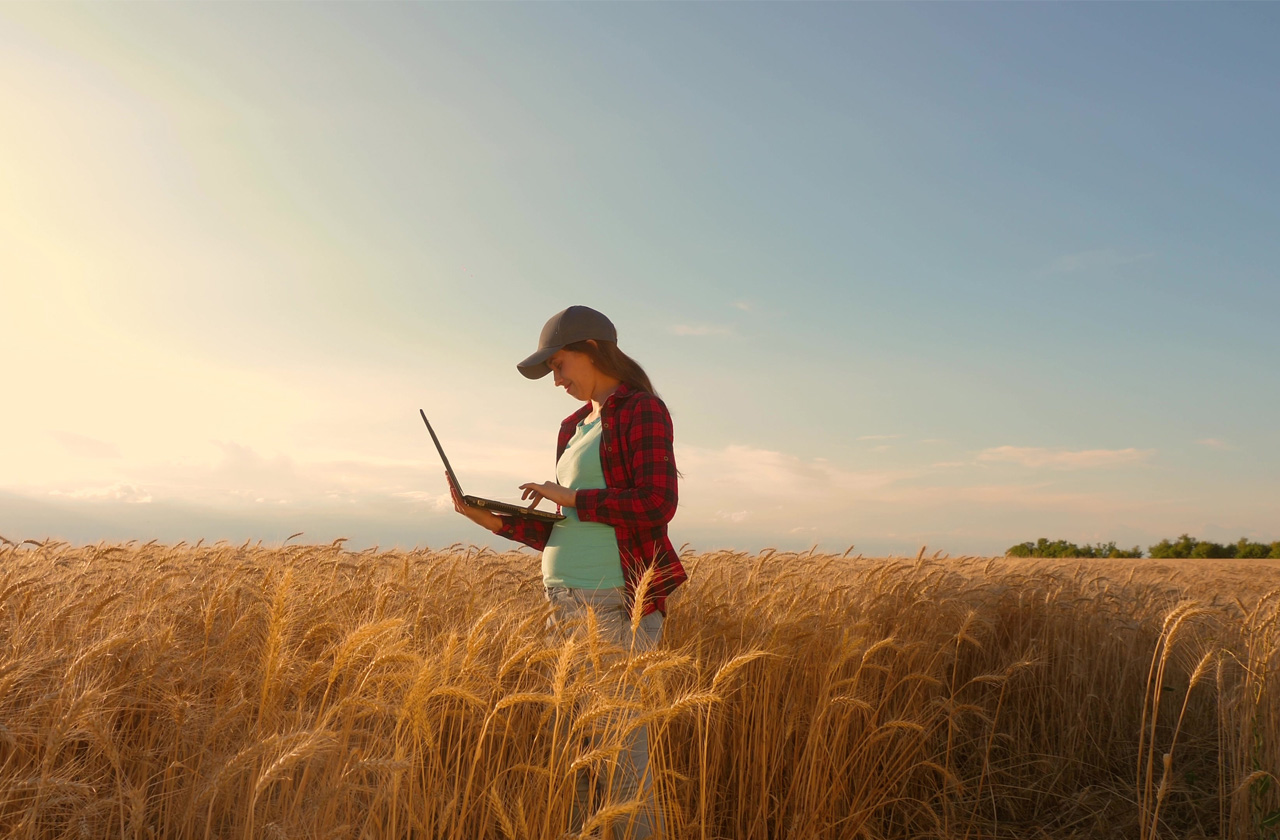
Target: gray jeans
{"points": [[631, 778]]}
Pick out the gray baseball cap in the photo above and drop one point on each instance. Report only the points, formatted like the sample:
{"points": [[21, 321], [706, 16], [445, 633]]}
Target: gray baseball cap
{"points": [[577, 323]]}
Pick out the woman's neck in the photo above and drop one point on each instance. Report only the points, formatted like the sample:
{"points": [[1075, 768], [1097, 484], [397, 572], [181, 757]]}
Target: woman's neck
{"points": [[602, 392]]}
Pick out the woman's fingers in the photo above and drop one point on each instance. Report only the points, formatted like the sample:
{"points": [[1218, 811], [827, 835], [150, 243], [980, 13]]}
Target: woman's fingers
{"points": [[458, 504], [548, 490], [481, 517], [530, 491]]}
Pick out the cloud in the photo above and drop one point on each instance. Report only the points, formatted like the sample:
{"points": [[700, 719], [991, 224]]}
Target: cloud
{"points": [[790, 498], [244, 475], [734, 495], [85, 447], [1063, 459], [117, 492], [1215, 443], [437, 501], [878, 437], [745, 306], [701, 329], [1107, 259], [1020, 496], [244, 464], [239, 479], [748, 475]]}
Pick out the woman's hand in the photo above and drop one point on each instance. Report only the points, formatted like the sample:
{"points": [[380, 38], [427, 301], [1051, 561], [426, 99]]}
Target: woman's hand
{"points": [[559, 494], [485, 519]]}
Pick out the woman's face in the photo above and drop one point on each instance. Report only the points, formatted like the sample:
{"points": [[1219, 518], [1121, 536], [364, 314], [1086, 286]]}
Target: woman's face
{"points": [[574, 372]]}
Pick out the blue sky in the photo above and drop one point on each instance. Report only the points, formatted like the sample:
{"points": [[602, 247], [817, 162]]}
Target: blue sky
{"points": [[947, 274]]}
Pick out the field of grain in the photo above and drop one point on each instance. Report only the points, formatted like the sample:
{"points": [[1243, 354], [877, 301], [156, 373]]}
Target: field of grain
{"points": [[151, 691]]}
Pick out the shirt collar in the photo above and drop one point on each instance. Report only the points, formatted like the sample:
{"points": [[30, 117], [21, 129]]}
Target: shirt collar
{"points": [[620, 393]]}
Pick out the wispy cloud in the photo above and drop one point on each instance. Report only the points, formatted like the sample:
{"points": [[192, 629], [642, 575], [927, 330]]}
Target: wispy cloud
{"points": [[744, 305], [1038, 496], [733, 495], [117, 492], [1106, 259], [878, 437], [1215, 443], [744, 471], [1064, 459], [437, 501], [701, 329], [83, 446], [788, 496]]}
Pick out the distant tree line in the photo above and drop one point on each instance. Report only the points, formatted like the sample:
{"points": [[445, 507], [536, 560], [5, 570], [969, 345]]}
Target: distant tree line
{"points": [[1183, 546], [1061, 548]]}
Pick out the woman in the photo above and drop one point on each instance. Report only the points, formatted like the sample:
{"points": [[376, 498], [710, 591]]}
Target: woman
{"points": [[616, 485]]}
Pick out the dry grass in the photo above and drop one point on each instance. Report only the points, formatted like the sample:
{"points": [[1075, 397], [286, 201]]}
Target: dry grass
{"points": [[307, 691]]}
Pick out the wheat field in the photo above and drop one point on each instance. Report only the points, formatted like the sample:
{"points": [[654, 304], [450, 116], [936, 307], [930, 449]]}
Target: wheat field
{"points": [[302, 691]]}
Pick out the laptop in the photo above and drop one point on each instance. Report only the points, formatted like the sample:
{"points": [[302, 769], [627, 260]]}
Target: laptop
{"points": [[488, 504]]}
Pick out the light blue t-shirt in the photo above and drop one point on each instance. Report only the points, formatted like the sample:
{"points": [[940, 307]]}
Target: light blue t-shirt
{"points": [[582, 555]]}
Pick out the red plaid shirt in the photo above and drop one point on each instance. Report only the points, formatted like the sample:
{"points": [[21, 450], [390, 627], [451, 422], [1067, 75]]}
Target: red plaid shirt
{"points": [[639, 498]]}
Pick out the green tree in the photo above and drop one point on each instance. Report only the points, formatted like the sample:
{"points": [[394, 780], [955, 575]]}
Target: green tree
{"points": [[1251, 550], [1045, 547], [1181, 549], [1213, 550]]}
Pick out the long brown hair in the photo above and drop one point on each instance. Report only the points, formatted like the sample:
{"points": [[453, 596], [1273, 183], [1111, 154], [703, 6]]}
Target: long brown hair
{"points": [[611, 361]]}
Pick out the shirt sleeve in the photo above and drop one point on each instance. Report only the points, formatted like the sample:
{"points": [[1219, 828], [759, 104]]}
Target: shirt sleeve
{"points": [[651, 499], [532, 532]]}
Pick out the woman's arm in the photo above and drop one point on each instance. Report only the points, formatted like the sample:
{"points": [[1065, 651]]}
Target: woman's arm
{"points": [[650, 500], [531, 532]]}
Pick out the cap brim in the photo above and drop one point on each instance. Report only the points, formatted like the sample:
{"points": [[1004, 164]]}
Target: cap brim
{"points": [[536, 367]]}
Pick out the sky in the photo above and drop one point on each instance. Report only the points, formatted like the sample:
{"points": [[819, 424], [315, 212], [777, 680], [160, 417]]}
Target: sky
{"points": [[944, 275]]}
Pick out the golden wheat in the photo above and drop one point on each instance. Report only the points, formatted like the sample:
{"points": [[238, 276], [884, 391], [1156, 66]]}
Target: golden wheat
{"points": [[309, 691]]}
